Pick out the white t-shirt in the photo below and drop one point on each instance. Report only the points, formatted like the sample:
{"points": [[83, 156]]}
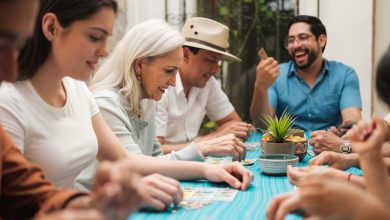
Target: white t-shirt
{"points": [[61, 140], [179, 119]]}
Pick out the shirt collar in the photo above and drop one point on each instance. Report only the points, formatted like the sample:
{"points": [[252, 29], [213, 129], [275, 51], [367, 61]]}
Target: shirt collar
{"points": [[292, 69], [179, 84]]}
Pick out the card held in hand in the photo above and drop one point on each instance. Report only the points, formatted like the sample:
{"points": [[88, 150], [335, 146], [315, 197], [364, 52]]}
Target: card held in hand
{"points": [[262, 54]]}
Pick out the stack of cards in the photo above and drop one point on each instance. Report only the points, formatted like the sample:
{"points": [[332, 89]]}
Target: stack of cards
{"points": [[195, 198]]}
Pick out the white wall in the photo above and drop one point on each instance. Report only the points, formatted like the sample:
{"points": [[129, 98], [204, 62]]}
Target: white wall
{"points": [[142, 10], [349, 25]]}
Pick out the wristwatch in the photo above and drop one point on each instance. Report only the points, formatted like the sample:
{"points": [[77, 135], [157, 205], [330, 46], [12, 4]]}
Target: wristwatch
{"points": [[346, 147]]}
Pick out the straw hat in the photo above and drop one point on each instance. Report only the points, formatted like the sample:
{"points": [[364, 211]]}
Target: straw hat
{"points": [[207, 34]]}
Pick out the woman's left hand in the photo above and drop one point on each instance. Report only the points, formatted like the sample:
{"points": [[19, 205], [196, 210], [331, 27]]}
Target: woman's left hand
{"points": [[233, 174]]}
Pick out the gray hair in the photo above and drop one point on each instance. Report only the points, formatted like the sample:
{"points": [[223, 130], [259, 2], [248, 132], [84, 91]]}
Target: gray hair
{"points": [[147, 39]]}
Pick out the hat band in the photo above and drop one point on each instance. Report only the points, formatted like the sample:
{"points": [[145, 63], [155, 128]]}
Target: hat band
{"points": [[206, 44]]}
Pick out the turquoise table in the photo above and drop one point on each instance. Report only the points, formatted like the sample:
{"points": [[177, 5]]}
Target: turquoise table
{"points": [[249, 204]]}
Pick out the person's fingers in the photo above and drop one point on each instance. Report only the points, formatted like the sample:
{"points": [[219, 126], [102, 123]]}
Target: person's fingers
{"points": [[235, 153], [288, 205], [162, 196], [241, 134], [274, 204], [241, 152], [231, 180], [240, 172], [172, 187], [295, 175], [316, 133], [154, 203], [246, 177], [321, 159]]}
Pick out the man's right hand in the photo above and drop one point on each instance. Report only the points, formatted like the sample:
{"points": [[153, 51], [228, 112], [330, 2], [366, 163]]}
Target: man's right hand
{"points": [[238, 128], [336, 160], [227, 145], [267, 71]]}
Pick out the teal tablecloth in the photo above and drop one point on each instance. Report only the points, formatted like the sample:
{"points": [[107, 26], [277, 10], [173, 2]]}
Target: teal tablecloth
{"points": [[249, 204]]}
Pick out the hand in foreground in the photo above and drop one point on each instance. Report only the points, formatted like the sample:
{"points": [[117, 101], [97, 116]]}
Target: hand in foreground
{"points": [[74, 214], [227, 145], [299, 175], [160, 192], [336, 160], [116, 191], [368, 136], [267, 71], [327, 198], [233, 174], [342, 129], [325, 141], [239, 129]]}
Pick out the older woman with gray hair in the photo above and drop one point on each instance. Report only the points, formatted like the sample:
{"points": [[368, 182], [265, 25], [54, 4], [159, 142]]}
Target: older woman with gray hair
{"points": [[143, 65]]}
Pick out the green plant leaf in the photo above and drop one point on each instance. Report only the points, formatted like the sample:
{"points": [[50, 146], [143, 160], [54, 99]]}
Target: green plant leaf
{"points": [[279, 128], [223, 11]]}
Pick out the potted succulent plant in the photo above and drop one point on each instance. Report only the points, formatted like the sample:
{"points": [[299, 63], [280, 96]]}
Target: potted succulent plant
{"points": [[276, 135]]}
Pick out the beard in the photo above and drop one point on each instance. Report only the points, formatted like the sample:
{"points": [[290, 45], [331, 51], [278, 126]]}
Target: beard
{"points": [[312, 56]]}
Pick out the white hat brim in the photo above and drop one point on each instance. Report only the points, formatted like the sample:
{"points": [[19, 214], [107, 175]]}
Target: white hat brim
{"points": [[225, 55]]}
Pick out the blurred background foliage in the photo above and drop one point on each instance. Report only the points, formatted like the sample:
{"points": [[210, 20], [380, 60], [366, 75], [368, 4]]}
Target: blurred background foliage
{"points": [[253, 24]]}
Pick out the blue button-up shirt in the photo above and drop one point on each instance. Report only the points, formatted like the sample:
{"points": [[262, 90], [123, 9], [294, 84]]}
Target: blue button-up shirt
{"points": [[319, 107]]}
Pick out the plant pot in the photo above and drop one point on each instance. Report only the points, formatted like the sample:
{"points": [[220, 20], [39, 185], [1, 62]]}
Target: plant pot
{"points": [[301, 145], [301, 149], [277, 148]]}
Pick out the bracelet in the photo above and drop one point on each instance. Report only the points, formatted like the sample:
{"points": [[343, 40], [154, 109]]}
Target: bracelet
{"points": [[349, 177]]}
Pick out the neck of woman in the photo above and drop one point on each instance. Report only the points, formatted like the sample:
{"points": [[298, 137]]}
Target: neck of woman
{"points": [[47, 82]]}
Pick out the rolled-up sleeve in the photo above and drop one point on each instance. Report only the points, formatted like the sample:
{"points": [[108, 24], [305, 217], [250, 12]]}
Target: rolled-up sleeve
{"points": [[350, 95]]}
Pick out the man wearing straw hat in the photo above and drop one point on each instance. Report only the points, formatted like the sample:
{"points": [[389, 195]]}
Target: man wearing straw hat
{"points": [[181, 110]]}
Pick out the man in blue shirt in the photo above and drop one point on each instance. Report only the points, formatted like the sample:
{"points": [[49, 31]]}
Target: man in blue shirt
{"points": [[319, 92]]}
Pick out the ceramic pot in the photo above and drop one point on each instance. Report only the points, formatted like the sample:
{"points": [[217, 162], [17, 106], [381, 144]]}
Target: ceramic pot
{"points": [[301, 149], [277, 148]]}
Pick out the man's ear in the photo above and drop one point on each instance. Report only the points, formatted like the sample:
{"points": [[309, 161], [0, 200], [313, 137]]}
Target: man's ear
{"points": [[322, 40], [50, 26], [186, 54]]}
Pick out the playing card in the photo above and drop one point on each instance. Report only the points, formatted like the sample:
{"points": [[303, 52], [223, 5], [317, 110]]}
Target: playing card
{"points": [[262, 54]]}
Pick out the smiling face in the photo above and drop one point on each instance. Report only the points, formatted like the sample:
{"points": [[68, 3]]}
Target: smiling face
{"points": [[77, 48], [159, 72], [198, 68], [16, 24], [303, 47]]}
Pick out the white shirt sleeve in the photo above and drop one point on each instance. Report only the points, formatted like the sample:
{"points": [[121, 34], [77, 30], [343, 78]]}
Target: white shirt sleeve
{"points": [[162, 115], [92, 103], [218, 105]]}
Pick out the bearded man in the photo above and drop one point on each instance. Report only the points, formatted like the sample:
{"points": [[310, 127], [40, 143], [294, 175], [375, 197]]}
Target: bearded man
{"points": [[319, 92]]}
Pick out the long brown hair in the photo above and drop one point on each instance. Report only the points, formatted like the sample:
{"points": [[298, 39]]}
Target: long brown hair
{"points": [[37, 48]]}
